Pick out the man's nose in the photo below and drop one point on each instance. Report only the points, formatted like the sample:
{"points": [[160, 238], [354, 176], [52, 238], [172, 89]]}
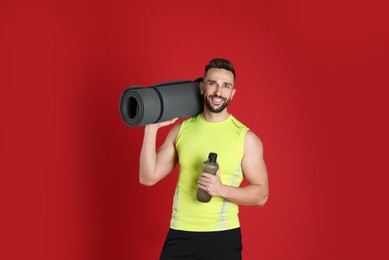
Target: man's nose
{"points": [[217, 90]]}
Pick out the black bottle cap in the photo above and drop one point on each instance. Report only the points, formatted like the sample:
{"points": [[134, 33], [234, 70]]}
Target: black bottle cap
{"points": [[212, 157]]}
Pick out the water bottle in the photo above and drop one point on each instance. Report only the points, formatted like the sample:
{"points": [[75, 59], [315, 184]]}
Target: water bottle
{"points": [[209, 166]]}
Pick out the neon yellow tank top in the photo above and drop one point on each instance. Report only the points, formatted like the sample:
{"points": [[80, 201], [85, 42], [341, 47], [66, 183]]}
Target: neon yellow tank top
{"points": [[195, 140]]}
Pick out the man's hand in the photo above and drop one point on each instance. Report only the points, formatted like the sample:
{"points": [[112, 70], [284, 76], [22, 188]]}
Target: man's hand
{"points": [[156, 126], [211, 183]]}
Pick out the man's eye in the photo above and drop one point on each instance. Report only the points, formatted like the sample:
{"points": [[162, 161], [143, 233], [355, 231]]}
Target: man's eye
{"points": [[211, 83]]}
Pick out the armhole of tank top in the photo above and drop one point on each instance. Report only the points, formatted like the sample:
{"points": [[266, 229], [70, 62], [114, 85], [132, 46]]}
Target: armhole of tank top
{"points": [[242, 138], [179, 132]]}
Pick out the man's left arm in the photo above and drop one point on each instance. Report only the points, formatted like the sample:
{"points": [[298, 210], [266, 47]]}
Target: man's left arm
{"points": [[254, 169]]}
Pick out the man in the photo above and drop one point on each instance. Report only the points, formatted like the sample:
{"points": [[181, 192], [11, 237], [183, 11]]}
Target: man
{"points": [[207, 230]]}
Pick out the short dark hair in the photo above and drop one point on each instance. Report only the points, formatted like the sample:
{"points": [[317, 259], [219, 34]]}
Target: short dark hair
{"points": [[220, 63]]}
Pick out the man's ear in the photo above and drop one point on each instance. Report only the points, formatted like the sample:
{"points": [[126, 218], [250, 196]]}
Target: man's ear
{"points": [[201, 88], [233, 93]]}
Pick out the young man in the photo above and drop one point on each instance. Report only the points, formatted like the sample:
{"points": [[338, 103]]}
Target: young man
{"points": [[207, 230]]}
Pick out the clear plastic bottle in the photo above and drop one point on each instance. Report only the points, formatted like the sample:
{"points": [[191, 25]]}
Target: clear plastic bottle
{"points": [[209, 166]]}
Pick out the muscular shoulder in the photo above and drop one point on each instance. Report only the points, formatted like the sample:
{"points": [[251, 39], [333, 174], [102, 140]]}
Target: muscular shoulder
{"points": [[173, 133], [252, 143]]}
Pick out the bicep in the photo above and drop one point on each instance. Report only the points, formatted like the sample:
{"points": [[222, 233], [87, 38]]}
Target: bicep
{"points": [[253, 163], [167, 155]]}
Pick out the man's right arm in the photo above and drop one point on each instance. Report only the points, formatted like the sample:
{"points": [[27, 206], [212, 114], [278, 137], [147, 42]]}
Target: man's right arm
{"points": [[155, 165]]}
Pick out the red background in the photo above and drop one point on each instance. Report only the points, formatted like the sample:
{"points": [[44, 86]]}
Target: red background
{"points": [[312, 82]]}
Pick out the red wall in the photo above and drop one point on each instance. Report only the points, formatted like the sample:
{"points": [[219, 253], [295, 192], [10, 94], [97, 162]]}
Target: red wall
{"points": [[312, 82]]}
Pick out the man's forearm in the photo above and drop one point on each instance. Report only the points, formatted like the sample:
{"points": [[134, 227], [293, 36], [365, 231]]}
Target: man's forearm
{"points": [[250, 195], [155, 165], [148, 156]]}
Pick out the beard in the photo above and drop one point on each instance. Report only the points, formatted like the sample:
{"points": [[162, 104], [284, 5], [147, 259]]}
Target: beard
{"points": [[216, 109]]}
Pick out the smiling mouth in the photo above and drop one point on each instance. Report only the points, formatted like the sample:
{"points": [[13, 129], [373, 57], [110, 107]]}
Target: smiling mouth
{"points": [[217, 100]]}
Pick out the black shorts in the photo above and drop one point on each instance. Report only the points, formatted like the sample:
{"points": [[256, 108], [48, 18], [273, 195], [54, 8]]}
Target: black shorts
{"points": [[226, 245]]}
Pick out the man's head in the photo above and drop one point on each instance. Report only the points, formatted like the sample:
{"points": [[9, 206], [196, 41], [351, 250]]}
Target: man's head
{"points": [[220, 63], [218, 87]]}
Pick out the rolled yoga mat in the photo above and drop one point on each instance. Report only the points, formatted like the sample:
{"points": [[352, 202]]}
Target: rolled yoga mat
{"points": [[162, 102]]}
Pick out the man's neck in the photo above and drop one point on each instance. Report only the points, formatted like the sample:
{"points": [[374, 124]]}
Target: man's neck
{"points": [[215, 117]]}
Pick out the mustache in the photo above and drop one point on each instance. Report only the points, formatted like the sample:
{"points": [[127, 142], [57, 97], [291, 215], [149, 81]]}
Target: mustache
{"points": [[216, 96]]}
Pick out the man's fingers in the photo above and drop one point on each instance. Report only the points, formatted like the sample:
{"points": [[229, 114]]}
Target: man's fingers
{"points": [[169, 122], [165, 123]]}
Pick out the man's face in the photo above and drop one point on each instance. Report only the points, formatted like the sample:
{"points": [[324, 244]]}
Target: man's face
{"points": [[217, 89]]}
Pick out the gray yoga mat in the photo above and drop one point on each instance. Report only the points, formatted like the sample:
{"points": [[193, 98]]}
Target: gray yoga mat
{"points": [[162, 102]]}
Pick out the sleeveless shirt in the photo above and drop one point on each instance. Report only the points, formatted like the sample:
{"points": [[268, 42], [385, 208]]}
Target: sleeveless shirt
{"points": [[195, 140]]}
